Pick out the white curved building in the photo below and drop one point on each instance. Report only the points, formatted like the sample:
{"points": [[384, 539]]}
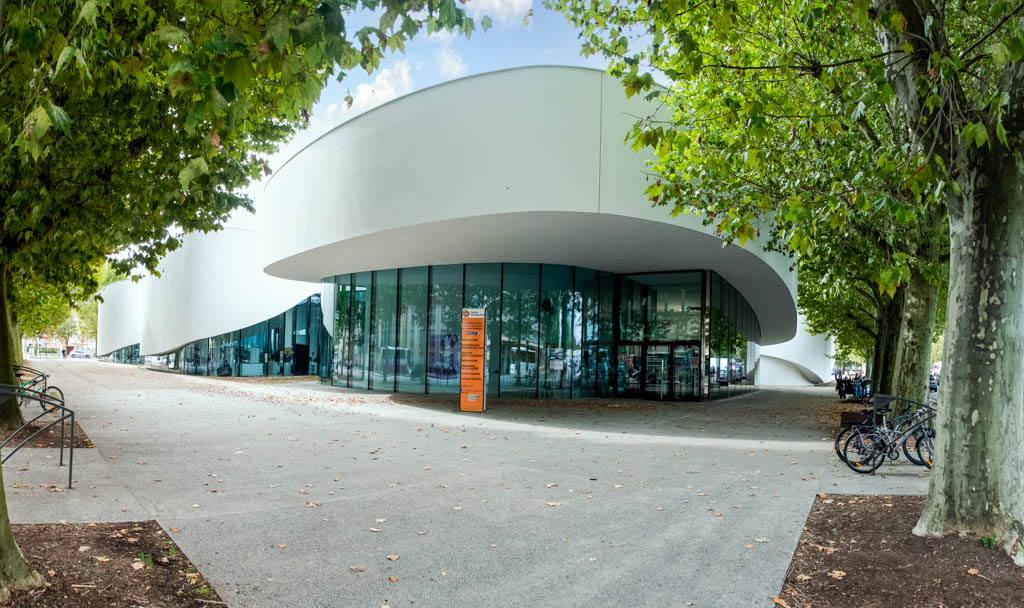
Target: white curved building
{"points": [[511, 190], [805, 360]]}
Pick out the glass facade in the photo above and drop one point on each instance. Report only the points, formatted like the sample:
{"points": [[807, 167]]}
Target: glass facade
{"points": [[289, 344], [128, 354], [553, 331]]}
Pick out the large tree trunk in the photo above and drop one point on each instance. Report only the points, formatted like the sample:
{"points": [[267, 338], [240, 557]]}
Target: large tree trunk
{"points": [[914, 347], [15, 572], [10, 413], [976, 486]]}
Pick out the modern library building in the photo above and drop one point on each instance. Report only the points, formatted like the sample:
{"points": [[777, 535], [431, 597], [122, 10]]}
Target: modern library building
{"points": [[510, 191]]}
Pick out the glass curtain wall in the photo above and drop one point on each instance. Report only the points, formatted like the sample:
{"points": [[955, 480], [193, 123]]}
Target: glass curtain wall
{"points": [[553, 331], [734, 341]]}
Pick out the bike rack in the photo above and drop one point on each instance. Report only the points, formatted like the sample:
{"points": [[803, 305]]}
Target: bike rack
{"points": [[49, 404]]}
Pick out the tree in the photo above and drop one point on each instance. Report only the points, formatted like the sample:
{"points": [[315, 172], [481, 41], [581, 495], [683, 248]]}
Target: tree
{"points": [[913, 108], [67, 329], [39, 309], [124, 125]]}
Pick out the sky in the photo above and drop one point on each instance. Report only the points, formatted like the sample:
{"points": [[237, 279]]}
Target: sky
{"points": [[548, 39]]}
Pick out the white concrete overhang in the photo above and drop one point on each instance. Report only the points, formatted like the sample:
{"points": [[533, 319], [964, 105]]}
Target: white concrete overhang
{"points": [[523, 165]]}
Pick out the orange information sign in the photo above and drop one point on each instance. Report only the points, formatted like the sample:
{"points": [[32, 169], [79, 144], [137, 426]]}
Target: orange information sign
{"points": [[472, 396]]}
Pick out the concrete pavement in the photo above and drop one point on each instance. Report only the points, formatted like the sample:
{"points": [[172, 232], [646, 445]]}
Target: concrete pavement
{"points": [[643, 505]]}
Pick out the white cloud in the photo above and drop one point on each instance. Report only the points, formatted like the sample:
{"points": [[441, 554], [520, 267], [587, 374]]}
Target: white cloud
{"points": [[388, 84], [501, 11], [449, 63]]}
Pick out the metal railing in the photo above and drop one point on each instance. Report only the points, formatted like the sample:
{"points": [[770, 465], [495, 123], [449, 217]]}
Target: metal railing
{"points": [[50, 403]]}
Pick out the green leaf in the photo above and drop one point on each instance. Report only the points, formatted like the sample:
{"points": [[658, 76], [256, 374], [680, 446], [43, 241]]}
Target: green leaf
{"points": [[1001, 133], [486, 23], [195, 167], [170, 34], [240, 72], [88, 12], [277, 31], [58, 117], [66, 54], [5, 134], [1000, 54]]}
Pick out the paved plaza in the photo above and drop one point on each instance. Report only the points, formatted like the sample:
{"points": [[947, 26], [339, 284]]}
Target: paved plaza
{"points": [[278, 491]]}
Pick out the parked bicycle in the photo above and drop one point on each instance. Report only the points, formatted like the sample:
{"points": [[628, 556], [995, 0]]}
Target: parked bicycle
{"points": [[36, 381], [866, 446]]}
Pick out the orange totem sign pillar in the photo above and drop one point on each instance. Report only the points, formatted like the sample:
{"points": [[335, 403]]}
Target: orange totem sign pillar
{"points": [[472, 396]]}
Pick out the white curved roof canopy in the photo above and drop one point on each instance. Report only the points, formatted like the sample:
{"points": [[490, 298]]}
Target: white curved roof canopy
{"points": [[523, 165]]}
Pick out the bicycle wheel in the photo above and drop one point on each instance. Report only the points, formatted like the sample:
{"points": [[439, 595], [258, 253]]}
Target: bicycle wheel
{"points": [[910, 447], [926, 450], [864, 452], [54, 393], [841, 441]]}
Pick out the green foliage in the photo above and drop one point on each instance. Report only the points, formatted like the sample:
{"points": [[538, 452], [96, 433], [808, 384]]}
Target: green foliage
{"points": [[39, 308], [989, 542], [126, 123], [146, 559], [778, 116]]}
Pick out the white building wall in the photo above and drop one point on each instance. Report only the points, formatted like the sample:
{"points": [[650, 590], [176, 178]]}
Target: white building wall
{"points": [[522, 165], [120, 316], [805, 360]]}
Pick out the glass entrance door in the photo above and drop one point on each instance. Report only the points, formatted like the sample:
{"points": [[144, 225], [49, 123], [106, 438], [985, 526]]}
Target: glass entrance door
{"points": [[657, 372], [686, 371]]}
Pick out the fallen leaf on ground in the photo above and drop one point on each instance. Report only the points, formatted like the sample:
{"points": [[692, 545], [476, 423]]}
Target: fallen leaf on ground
{"points": [[552, 485], [356, 569], [282, 546], [779, 602], [83, 548], [374, 530], [392, 557], [748, 546], [102, 559], [836, 574], [394, 579], [822, 495], [973, 571], [760, 540], [802, 577], [138, 565], [554, 504]]}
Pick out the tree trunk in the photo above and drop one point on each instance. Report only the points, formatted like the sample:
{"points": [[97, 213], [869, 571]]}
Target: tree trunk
{"points": [[10, 412], [975, 487], [15, 571], [914, 347], [884, 360]]}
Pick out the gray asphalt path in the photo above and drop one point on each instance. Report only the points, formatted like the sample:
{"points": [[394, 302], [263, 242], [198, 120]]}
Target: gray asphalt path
{"points": [[279, 490]]}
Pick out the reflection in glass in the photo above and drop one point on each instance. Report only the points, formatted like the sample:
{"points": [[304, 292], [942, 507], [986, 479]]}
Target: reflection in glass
{"points": [[341, 359], [483, 290], [445, 327], [519, 330], [412, 330], [556, 329], [360, 329], [385, 302]]}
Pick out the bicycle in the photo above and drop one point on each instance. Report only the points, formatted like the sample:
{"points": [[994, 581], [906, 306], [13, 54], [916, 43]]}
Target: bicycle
{"points": [[868, 446], [35, 381]]}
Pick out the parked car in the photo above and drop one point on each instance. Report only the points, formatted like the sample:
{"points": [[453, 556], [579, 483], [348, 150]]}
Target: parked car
{"points": [[933, 382], [77, 354]]}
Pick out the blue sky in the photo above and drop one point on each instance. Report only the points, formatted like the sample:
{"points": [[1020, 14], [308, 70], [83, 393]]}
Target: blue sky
{"points": [[548, 39]]}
